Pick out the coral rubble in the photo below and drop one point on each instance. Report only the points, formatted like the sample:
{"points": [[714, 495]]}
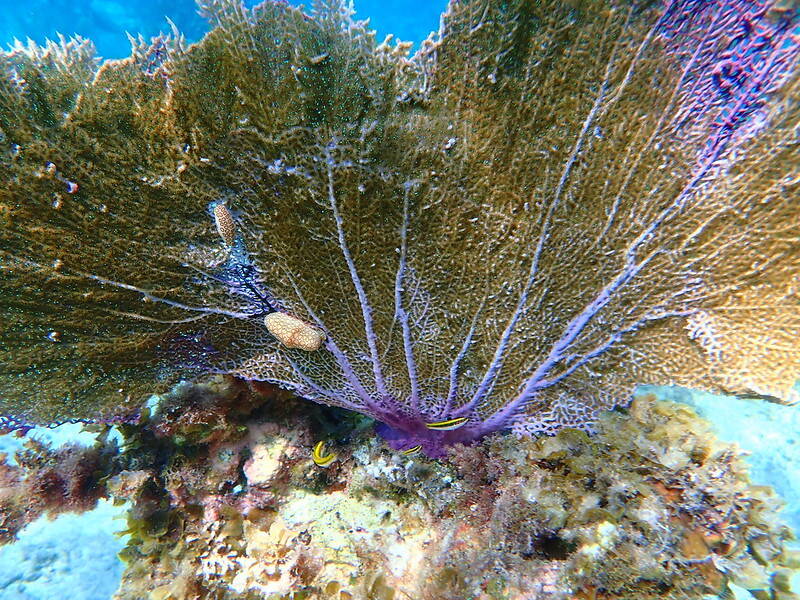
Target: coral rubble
{"points": [[653, 506], [549, 203]]}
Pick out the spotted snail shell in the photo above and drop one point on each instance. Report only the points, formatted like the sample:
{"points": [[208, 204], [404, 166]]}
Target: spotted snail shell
{"points": [[294, 333], [226, 226]]}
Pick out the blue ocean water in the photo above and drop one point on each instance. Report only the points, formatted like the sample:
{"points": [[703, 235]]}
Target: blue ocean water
{"points": [[106, 21]]}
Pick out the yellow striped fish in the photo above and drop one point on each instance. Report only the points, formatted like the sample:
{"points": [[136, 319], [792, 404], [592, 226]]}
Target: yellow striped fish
{"points": [[412, 450], [448, 425], [321, 459]]}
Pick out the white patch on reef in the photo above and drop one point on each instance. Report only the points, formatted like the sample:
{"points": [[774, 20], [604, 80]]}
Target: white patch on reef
{"points": [[700, 328], [600, 539], [266, 462], [346, 527]]}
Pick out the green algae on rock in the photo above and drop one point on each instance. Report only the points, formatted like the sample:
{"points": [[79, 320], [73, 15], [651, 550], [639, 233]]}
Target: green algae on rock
{"points": [[549, 203]]}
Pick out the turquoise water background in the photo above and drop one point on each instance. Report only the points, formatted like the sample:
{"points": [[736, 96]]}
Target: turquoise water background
{"points": [[75, 556], [106, 21]]}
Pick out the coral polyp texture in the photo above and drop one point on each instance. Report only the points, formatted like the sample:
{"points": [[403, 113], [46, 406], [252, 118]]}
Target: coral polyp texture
{"points": [[547, 204]]}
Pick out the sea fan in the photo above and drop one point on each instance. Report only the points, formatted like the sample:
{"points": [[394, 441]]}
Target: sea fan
{"points": [[546, 205]]}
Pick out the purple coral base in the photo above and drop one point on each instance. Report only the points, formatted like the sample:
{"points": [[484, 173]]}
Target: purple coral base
{"points": [[433, 444]]}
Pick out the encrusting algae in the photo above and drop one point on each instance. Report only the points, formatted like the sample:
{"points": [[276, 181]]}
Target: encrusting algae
{"points": [[226, 501]]}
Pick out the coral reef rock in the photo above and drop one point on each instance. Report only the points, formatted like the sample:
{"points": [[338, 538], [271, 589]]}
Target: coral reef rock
{"points": [[652, 506]]}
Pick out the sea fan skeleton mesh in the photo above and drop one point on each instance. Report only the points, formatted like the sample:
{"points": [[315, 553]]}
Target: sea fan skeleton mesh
{"points": [[549, 203]]}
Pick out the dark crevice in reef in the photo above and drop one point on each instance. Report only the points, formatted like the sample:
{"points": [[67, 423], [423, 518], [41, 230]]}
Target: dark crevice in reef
{"points": [[552, 547]]}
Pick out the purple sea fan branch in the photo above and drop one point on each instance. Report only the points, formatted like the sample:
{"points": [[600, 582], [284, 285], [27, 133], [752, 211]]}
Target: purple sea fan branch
{"points": [[317, 392], [453, 389], [400, 311], [497, 361], [342, 360], [366, 309], [580, 360]]}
